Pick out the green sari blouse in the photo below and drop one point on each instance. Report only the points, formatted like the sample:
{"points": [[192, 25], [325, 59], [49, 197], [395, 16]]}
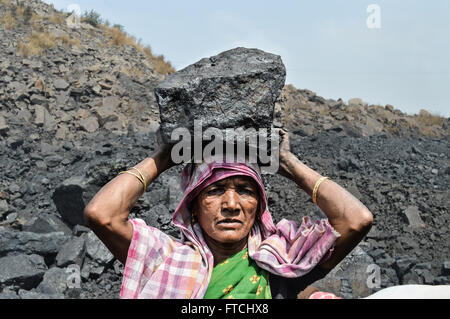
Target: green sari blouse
{"points": [[238, 277]]}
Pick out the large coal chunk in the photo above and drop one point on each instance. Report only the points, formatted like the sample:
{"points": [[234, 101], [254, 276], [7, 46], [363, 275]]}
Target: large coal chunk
{"points": [[45, 223], [12, 242], [236, 88], [69, 199], [54, 281], [22, 270]]}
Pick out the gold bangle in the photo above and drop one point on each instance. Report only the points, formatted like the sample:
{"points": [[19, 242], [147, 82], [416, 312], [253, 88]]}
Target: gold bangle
{"points": [[316, 188], [143, 178], [138, 177]]}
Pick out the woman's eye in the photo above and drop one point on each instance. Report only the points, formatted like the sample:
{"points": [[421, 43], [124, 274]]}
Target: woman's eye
{"points": [[246, 191], [214, 191], [220, 190]]}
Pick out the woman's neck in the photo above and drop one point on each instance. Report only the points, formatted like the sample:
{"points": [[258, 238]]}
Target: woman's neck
{"points": [[222, 251]]}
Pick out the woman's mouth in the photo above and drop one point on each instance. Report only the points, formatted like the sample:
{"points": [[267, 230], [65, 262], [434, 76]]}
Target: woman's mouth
{"points": [[231, 222]]}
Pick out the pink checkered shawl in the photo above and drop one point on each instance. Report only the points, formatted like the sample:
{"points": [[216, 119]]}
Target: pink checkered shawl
{"points": [[160, 266]]}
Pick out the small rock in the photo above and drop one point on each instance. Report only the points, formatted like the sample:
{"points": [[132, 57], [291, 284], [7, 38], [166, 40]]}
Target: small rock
{"points": [[305, 130], [78, 230], [151, 217], [108, 111], [38, 99], [14, 141], [62, 132], [427, 277], [41, 165], [3, 126], [97, 270], [411, 278], [71, 252], [89, 124], [376, 253], [415, 150], [422, 266], [105, 86], [97, 89], [11, 218], [76, 91], [153, 127], [343, 164], [385, 262], [43, 118], [4, 208], [356, 101], [53, 160], [118, 267], [157, 196], [86, 270], [389, 107], [24, 271], [62, 99], [24, 115], [412, 217], [54, 281], [403, 264], [111, 102], [408, 242], [14, 188], [97, 250], [445, 271], [392, 275], [60, 84], [441, 280]]}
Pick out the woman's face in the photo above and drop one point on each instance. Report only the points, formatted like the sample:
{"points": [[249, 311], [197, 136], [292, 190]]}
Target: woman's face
{"points": [[226, 209]]}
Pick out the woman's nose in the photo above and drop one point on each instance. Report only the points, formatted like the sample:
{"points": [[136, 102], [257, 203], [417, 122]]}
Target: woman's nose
{"points": [[230, 201]]}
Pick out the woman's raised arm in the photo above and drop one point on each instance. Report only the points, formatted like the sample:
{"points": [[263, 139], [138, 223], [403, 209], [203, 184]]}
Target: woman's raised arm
{"points": [[344, 211], [107, 212]]}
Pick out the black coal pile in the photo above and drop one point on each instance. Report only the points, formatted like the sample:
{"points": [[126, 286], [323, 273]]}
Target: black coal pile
{"points": [[72, 118]]}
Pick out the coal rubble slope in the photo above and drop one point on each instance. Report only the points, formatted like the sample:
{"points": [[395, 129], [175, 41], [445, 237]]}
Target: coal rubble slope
{"points": [[72, 118]]}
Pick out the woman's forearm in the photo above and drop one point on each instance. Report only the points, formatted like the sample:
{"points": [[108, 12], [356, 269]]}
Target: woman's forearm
{"points": [[345, 212], [107, 213], [114, 201]]}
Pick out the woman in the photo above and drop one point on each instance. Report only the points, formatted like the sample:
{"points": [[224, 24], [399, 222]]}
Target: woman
{"points": [[230, 247]]}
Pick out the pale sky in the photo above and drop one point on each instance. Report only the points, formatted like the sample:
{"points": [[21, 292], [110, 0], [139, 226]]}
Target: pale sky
{"points": [[326, 46]]}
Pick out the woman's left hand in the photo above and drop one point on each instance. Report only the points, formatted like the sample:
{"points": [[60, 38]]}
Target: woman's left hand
{"points": [[285, 154]]}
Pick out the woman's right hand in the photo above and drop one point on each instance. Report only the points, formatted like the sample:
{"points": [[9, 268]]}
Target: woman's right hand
{"points": [[162, 157]]}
